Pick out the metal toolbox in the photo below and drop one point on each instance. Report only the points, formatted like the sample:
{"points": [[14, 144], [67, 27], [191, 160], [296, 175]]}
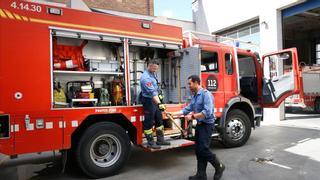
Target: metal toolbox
{"points": [[102, 65]]}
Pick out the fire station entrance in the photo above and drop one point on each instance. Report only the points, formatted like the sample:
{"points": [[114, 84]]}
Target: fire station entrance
{"points": [[301, 29]]}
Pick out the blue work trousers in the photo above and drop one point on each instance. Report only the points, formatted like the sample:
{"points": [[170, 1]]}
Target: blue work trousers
{"points": [[152, 114], [203, 139]]}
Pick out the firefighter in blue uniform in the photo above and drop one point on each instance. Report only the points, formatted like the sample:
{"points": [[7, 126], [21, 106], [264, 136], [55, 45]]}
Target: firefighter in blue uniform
{"points": [[152, 105], [202, 106]]}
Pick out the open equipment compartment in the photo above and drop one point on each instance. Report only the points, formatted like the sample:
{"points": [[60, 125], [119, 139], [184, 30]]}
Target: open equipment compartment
{"points": [[175, 66], [139, 57], [88, 70]]}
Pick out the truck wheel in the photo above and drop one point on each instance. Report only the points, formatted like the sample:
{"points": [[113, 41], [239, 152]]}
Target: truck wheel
{"points": [[103, 150], [288, 110], [237, 129], [317, 105]]}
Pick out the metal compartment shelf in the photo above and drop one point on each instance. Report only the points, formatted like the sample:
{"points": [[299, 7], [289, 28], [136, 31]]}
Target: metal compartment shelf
{"points": [[87, 72]]}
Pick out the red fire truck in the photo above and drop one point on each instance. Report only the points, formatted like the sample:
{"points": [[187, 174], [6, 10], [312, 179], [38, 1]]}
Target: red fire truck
{"points": [[70, 82], [310, 99]]}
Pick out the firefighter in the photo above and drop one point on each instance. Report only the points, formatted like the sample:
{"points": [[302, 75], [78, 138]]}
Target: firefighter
{"points": [[201, 108], [152, 105]]}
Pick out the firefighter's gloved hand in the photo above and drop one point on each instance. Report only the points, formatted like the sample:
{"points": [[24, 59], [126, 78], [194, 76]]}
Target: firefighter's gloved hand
{"points": [[160, 97], [161, 107]]}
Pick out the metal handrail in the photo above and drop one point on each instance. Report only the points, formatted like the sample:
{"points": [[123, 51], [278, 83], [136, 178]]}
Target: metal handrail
{"points": [[193, 35]]}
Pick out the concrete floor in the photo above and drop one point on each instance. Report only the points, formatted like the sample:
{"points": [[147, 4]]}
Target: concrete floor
{"points": [[292, 145]]}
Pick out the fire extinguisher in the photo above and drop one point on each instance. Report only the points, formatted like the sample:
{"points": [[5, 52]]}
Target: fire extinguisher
{"points": [[117, 91]]}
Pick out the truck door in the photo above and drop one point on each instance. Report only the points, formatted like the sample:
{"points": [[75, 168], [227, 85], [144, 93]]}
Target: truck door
{"points": [[229, 76], [212, 75], [281, 77]]}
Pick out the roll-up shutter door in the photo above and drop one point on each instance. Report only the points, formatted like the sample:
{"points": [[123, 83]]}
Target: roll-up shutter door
{"points": [[155, 44], [85, 35]]}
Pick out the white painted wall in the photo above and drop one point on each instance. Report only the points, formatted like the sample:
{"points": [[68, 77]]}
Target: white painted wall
{"points": [[211, 16]]}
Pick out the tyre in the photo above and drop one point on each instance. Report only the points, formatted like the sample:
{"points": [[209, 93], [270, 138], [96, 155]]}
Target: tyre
{"points": [[288, 110], [317, 106], [103, 150], [237, 129]]}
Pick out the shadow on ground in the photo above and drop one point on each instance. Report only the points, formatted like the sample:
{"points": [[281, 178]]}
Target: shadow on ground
{"points": [[266, 142]]}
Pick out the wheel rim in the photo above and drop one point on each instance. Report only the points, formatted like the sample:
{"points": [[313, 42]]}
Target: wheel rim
{"points": [[105, 150], [235, 129]]}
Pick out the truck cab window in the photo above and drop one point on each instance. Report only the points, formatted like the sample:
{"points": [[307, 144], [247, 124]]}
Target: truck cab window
{"points": [[209, 62], [228, 63], [248, 77], [246, 66]]}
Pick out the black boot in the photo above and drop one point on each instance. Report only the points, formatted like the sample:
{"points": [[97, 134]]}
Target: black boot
{"points": [[201, 171], [219, 167], [151, 143], [160, 138]]}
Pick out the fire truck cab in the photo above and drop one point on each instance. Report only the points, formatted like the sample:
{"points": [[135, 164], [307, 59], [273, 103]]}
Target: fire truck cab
{"points": [[69, 81], [241, 83]]}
